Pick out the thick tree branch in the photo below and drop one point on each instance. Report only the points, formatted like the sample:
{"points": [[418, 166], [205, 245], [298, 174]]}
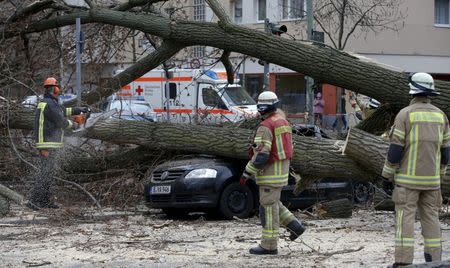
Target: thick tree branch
{"points": [[323, 63], [31, 9], [217, 8], [135, 3], [225, 59]]}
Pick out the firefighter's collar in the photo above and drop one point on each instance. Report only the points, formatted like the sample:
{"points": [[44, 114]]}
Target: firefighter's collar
{"points": [[420, 99]]}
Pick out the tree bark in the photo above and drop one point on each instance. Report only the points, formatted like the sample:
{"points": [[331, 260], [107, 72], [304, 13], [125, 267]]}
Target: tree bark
{"points": [[313, 158], [11, 195], [370, 153], [340, 208]]}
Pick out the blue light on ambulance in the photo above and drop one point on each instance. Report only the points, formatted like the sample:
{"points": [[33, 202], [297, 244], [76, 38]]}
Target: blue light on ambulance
{"points": [[211, 74]]}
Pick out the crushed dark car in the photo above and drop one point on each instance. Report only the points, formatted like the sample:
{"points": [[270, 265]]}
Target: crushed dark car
{"points": [[211, 184]]}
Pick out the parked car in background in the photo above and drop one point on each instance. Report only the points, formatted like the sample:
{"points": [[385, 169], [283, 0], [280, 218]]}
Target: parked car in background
{"points": [[132, 109]]}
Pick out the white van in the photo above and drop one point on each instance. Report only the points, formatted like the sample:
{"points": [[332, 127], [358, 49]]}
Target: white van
{"points": [[192, 95]]}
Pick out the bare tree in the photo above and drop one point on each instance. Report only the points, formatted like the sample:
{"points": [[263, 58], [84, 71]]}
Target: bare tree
{"points": [[340, 20]]}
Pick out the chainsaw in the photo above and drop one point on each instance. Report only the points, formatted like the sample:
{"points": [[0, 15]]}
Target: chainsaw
{"points": [[86, 121]]}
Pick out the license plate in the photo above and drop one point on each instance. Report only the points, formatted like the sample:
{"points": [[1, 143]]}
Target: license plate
{"points": [[160, 189]]}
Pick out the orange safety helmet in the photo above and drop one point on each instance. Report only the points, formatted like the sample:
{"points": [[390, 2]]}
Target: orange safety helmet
{"points": [[51, 81]]}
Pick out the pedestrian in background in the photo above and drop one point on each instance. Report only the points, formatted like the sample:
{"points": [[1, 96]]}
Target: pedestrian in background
{"points": [[319, 105]]}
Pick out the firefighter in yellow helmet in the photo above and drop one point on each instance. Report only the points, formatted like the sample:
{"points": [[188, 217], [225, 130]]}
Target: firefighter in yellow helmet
{"points": [[49, 126], [269, 164], [417, 158]]}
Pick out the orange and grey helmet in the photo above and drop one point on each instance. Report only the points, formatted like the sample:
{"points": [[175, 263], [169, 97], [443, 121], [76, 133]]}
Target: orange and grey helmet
{"points": [[51, 81]]}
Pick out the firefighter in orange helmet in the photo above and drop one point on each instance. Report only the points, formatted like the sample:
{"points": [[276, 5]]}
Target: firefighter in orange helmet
{"points": [[49, 126], [271, 156]]}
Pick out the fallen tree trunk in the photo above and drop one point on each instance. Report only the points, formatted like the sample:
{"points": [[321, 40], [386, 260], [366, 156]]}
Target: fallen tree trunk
{"points": [[370, 152], [340, 208], [313, 158], [11, 195]]}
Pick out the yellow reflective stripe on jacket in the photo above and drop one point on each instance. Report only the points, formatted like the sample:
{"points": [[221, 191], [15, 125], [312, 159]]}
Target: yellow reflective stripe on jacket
{"points": [[447, 136], [43, 145], [41, 107], [417, 180], [279, 140], [399, 134], [272, 179], [250, 168], [429, 117], [387, 169], [68, 111], [414, 144], [433, 242], [282, 129]]}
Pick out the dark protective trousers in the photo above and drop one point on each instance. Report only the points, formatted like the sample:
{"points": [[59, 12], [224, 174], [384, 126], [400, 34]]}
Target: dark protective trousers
{"points": [[427, 202], [272, 213], [42, 190]]}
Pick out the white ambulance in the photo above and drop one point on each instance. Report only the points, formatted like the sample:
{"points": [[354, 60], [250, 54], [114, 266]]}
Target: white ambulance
{"points": [[192, 96]]}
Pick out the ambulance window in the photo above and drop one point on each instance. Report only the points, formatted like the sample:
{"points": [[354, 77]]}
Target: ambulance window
{"points": [[172, 91], [211, 98]]}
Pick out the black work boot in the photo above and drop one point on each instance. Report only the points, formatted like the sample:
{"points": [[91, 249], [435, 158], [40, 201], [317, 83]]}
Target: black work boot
{"points": [[262, 251], [295, 229]]}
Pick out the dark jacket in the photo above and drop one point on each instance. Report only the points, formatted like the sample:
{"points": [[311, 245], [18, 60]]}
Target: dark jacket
{"points": [[50, 121]]}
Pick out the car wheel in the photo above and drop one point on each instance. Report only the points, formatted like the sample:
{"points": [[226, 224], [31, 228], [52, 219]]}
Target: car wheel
{"points": [[362, 192], [175, 213], [236, 201]]}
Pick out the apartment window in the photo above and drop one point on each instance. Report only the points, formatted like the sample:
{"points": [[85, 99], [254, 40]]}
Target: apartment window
{"points": [[292, 9], [262, 10], [441, 11], [198, 52], [199, 10], [238, 11]]}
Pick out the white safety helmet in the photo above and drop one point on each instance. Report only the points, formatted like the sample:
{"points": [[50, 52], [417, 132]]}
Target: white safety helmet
{"points": [[267, 102], [422, 84]]}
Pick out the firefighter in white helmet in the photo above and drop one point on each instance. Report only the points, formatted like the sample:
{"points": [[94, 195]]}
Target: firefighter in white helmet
{"points": [[417, 158], [271, 155]]}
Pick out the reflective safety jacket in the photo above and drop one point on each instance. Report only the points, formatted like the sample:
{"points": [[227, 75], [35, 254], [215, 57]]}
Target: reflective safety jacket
{"points": [[49, 122], [272, 151], [423, 131]]}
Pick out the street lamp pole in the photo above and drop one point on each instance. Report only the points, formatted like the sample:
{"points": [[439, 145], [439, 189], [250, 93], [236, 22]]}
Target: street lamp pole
{"points": [[309, 80]]}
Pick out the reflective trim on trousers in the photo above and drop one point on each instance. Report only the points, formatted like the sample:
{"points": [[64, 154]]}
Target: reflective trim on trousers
{"points": [[433, 242]]}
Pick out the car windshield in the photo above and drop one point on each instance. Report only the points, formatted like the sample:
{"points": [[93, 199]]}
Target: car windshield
{"points": [[131, 108], [236, 95]]}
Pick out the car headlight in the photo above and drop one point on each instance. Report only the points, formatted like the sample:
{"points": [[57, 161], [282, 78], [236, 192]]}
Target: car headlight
{"points": [[202, 173]]}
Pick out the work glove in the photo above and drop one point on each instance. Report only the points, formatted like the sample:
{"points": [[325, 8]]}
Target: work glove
{"points": [[245, 176]]}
